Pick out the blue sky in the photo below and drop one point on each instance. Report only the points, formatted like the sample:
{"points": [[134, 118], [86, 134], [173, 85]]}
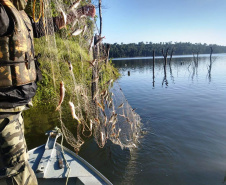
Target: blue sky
{"points": [[196, 21]]}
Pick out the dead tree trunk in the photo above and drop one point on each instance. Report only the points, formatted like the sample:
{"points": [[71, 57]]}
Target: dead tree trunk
{"points": [[153, 68], [194, 58], [165, 56], [94, 86], [197, 58], [107, 51], [211, 52], [100, 14], [210, 66], [95, 68], [171, 55], [165, 63], [165, 78]]}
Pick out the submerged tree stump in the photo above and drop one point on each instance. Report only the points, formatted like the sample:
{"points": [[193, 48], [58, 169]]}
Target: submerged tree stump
{"points": [[171, 55], [165, 57], [211, 52]]}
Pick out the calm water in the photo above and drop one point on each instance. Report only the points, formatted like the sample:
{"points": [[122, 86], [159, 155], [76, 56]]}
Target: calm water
{"points": [[185, 120], [184, 114]]}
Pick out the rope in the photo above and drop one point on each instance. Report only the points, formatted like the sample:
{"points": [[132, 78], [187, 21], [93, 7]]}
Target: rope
{"points": [[11, 62], [62, 149], [41, 11]]}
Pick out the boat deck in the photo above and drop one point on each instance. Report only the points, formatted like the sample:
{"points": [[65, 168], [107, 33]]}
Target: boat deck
{"points": [[44, 160]]}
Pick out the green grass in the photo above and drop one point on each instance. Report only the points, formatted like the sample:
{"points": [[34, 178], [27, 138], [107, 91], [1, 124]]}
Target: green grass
{"points": [[55, 54]]}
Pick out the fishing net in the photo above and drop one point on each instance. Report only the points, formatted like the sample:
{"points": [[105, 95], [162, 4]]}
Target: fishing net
{"points": [[117, 122], [74, 61]]}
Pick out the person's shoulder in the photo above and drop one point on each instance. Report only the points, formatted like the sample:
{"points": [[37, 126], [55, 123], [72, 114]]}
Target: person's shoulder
{"points": [[4, 21], [2, 9]]}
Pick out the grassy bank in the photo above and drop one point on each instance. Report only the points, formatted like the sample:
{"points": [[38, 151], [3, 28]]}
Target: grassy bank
{"points": [[55, 54]]}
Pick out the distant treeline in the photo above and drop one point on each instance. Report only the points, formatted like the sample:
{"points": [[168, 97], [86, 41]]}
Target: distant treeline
{"points": [[146, 49]]}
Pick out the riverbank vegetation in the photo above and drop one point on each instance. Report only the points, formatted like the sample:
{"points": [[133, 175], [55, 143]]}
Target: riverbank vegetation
{"points": [[77, 90], [62, 49], [146, 49], [55, 68], [57, 54]]}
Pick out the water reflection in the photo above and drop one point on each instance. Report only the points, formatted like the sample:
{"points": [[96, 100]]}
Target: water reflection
{"points": [[212, 60], [153, 73], [209, 70], [188, 118], [110, 160], [39, 120], [193, 69], [171, 73], [190, 66], [224, 181], [165, 81]]}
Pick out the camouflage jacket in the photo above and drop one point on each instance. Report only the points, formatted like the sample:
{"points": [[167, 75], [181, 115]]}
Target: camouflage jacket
{"points": [[17, 66]]}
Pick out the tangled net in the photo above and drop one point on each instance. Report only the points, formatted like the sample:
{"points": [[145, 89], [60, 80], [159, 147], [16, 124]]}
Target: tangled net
{"points": [[85, 93]]}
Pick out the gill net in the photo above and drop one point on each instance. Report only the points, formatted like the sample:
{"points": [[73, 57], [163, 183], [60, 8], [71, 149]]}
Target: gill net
{"points": [[77, 78]]}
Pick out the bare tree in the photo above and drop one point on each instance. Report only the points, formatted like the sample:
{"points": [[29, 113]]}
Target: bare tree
{"points": [[171, 55], [153, 68], [210, 66], [196, 51], [100, 14], [211, 52], [165, 78], [165, 63], [165, 56]]}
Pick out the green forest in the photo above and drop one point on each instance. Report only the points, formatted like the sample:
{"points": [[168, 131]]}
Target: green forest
{"points": [[142, 49]]}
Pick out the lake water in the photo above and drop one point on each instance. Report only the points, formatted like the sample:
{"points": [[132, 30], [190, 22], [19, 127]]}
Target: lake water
{"points": [[185, 116], [183, 111]]}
